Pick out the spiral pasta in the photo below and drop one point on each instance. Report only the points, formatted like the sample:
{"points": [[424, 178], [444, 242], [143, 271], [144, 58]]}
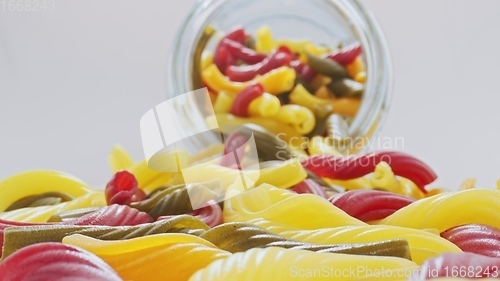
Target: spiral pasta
{"points": [[275, 82], [423, 244], [145, 258], [18, 237], [147, 178], [38, 182], [44, 213], [285, 264], [446, 210], [224, 102], [299, 117], [240, 237], [282, 206], [265, 106]]}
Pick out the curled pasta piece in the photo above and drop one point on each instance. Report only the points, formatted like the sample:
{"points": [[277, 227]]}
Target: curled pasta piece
{"points": [[468, 184], [301, 96], [224, 102], [147, 178], [277, 81], [119, 159], [145, 258], [475, 238], [55, 262], [282, 206], [27, 184], [285, 132], [384, 178], [244, 98], [265, 106], [423, 244], [241, 237], [44, 213], [446, 210], [356, 166], [299, 117], [265, 41], [19, 237], [283, 264], [320, 145]]}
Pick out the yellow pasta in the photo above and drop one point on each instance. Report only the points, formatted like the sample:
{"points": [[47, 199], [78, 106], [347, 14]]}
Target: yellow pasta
{"points": [[301, 96], [156, 257], [224, 102], [207, 61], [323, 93], [120, 159], [423, 244], [359, 183], [320, 145], [447, 210], [468, 184], [38, 182], [356, 67], [285, 264], [384, 178], [296, 46], [147, 178], [305, 211], [266, 105], [299, 117], [284, 174], [265, 41], [43, 213], [275, 82], [283, 131]]}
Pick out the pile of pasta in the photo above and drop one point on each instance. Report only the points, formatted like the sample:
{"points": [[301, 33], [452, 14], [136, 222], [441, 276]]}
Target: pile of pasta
{"points": [[300, 221]]}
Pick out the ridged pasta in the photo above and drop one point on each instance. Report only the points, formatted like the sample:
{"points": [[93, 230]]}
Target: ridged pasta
{"points": [[18, 237], [158, 257], [447, 210], [266, 105], [240, 237], [147, 178], [299, 117], [38, 182], [174, 200], [423, 244], [224, 102], [264, 41], [304, 211], [285, 264], [44, 213], [275, 82]]}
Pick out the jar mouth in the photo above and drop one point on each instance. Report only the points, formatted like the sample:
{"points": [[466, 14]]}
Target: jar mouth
{"points": [[359, 21]]}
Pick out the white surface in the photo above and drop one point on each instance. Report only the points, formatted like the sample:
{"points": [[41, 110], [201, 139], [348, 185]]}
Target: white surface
{"points": [[76, 81]]}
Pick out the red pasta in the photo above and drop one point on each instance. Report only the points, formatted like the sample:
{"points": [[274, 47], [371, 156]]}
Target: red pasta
{"points": [[248, 72], [461, 265], [239, 51], [235, 142], [211, 214], [475, 238], [222, 57], [54, 262], [311, 187], [346, 55], [123, 189], [244, 98], [114, 215], [370, 205], [346, 168]]}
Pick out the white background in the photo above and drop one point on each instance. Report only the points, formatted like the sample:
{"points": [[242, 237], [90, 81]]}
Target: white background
{"points": [[75, 81]]}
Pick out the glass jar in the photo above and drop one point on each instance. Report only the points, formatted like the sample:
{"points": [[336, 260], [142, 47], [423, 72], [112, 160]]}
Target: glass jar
{"points": [[323, 21]]}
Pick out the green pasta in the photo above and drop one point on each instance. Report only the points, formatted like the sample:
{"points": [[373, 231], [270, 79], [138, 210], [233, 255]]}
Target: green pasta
{"points": [[240, 237], [347, 88], [326, 67], [71, 215], [45, 199], [16, 238]]}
